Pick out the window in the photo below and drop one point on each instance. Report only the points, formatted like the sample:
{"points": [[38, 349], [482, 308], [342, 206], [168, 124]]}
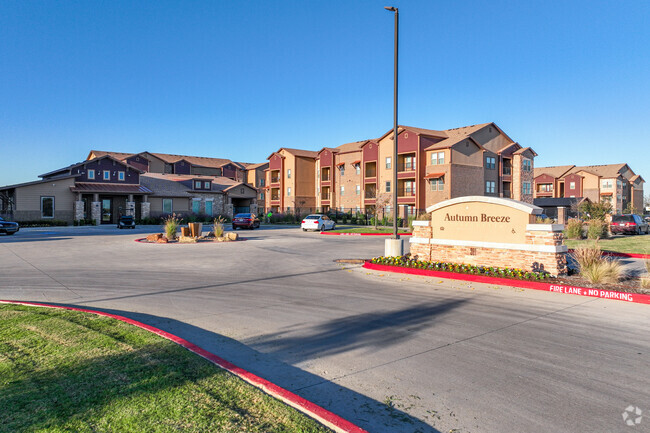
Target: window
{"points": [[120, 175], [167, 205], [196, 205], [438, 184], [261, 196], [342, 169], [387, 186], [358, 189], [606, 184], [197, 184], [490, 187], [490, 163], [572, 185], [525, 188], [288, 191], [206, 185], [261, 182], [437, 158], [342, 190], [107, 175], [409, 163], [545, 187], [409, 188], [91, 174], [388, 162], [526, 165], [357, 168], [47, 207], [288, 173]]}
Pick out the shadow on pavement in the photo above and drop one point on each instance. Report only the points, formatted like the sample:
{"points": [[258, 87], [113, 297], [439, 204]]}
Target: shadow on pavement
{"points": [[370, 414]]}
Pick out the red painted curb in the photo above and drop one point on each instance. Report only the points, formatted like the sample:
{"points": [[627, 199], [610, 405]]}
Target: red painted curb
{"points": [[535, 285], [323, 416], [616, 254], [362, 234]]}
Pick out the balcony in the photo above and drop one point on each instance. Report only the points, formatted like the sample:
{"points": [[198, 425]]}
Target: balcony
{"points": [[407, 166], [275, 180], [370, 170], [370, 194], [325, 196]]}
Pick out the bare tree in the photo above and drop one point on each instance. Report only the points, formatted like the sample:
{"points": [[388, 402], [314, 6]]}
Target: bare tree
{"points": [[380, 203]]}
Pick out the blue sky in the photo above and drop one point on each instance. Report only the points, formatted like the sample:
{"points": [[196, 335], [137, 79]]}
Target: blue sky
{"points": [[240, 79]]}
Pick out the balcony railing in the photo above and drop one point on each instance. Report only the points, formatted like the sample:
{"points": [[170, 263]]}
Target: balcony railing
{"points": [[325, 196], [275, 197], [507, 171], [325, 178], [406, 193], [275, 180], [370, 194], [406, 166]]}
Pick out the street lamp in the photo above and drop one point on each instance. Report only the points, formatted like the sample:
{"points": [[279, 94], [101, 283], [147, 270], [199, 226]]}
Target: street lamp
{"points": [[394, 246]]}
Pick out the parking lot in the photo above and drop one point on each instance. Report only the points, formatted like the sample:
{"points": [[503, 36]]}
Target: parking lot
{"points": [[391, 353]]}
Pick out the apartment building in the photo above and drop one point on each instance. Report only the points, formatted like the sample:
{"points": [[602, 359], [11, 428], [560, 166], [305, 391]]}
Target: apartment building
{"points": [[109, 184], [431, 166], [615, 183], [290, 180]]}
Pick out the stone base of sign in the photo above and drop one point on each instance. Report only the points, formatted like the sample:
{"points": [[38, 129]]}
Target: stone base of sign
{"points": [[543, 251], [394, 248]]}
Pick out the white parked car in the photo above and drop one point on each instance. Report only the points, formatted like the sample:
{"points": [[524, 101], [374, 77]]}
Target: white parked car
{"points": [[317, 222]]}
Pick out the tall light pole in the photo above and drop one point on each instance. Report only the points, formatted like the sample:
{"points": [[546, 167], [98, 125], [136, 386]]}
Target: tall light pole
{"points": [[395, 247]]}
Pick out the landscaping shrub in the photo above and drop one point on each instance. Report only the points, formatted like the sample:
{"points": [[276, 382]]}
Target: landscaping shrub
{"points": [[218, 227], [540, 220], [587, 256], [574, 229], [42, 223], [597, 229], [489, 271], [84, 222], [171, 224], [604, 270]]}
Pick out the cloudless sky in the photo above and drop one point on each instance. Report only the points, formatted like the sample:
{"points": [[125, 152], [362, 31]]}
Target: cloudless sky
{"points": [[240, 79]]}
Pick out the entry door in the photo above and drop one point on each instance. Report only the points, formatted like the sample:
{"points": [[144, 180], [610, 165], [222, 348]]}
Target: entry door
{"points": [[107, 205]]}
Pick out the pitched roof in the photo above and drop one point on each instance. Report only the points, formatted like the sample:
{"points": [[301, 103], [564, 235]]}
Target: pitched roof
{"points": [[77, 164], [349, 147], [202, 161], [456, 135], [176, 185], [606, 171], [557, 171], [636, 177], [255, 166], [300, 152]]}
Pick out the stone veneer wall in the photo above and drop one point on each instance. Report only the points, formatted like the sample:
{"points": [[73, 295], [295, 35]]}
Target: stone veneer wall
{"points": [[545, 235]]}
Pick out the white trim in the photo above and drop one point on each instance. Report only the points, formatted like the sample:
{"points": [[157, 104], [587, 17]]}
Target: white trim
{"points": [[519, 205], [493, 245], [544, 227], [416, 223]]}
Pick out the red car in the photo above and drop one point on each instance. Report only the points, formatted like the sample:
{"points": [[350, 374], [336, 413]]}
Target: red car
{"points": [[629, 224], [245, 221]]}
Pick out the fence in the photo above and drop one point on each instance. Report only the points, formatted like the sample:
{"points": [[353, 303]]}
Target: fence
{"points": [[382, 217]]}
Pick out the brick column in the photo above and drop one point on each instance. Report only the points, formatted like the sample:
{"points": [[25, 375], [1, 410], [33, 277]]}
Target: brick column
{"points": [[561, 215]]}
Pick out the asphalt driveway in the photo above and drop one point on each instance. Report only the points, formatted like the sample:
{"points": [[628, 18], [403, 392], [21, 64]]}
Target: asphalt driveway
{"points": [[392, 353]]}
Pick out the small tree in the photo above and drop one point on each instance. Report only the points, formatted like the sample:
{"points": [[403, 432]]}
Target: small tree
{"points": [[630, 209], [596, 210], [380, 203]]}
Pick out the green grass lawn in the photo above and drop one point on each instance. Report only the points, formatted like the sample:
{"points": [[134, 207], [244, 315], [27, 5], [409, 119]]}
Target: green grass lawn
{"points": [[639, 244], [66, 371], [365, 229]]}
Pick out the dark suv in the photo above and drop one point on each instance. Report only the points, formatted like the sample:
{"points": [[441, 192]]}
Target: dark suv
{"points": [[7, 227], [629, 224]]}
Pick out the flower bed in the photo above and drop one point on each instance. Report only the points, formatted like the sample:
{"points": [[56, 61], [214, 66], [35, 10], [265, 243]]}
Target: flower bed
{"points": [[486, 271]]}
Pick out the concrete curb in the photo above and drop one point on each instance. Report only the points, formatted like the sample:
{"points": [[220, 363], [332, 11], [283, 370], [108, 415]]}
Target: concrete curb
{"points": [[144, 241], [323, 416], [548, 287], [362, 234]]}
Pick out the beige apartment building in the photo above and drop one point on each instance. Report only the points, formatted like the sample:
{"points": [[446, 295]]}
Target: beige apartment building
{"points": [[615, 183], [290, 180], [431, 166]]}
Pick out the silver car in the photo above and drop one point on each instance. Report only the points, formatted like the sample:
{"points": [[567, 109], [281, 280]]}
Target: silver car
{"points": [[8, 227]]}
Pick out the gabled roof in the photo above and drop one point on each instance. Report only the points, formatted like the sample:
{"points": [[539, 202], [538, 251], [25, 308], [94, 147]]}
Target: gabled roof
{"points": [[178, 185], [557, 171], [78, 164], [200, 161], [256, 166], [36, 182], [296, 152], [636, 177], [606, 171], [91, 187], [456, 135], [350, 147], [117, 155], [525, 149]]}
